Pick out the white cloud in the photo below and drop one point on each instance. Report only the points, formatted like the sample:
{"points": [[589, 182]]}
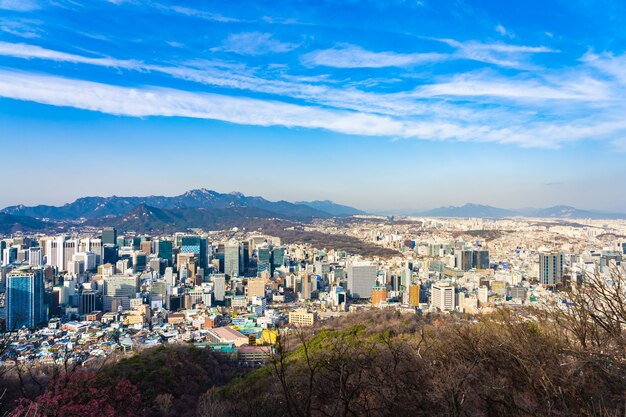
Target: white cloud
{"points": [[544, 109], [255, 43], [200, 14], [501, 54], [21, 50], [19, 5], [350, 56], [504, 31], [24, 28], [154, 101]]}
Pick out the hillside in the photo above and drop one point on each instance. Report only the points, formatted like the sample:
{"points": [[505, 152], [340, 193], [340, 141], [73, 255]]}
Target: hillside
{"points": [[375, 363], [11, 224]]}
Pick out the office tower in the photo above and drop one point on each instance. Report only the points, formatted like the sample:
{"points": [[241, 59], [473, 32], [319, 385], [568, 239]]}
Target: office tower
{"points": [[263, 259], [480, 259], [24, 298], [169, 276], [3, 246], [464, 259], [109, 254], [256, 287], [109, 236], [219, 286], [121, 287], [94, 246], [9, 255], [232, 259], [304, 287], [361, 279], [165, 251], [379, 295], [35, 257], [139, 261], [146, 247], [55, 252], [278, 257], [87, 302], [197, 246], [414, 295], [550, 268], [120, 241], [245, 255], [442, 296]]}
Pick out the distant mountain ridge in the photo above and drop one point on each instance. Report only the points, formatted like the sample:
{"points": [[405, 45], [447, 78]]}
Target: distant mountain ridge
{"points": [[97, 207], [146, 219], [556, 212], [332, 208]]}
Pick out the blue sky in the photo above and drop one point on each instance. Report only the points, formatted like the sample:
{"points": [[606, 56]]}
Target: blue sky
{"points": [[377, 104]]}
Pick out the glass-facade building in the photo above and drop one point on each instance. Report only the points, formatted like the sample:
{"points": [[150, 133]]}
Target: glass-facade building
{"points": [[195, 245], [25, 299]]}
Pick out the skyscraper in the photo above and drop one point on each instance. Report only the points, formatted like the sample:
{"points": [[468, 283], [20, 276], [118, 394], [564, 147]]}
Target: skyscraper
{"points": [[278, 257], [550, 268], [442, 296], [197, 246], [232, 259], [361, 279], [25, 298], [263, 259], [480, 259], [109, 236], [165, 251], [219, 286]]}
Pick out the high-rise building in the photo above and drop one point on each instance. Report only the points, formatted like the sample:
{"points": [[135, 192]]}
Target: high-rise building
{"points": [[232, 259], [379, 295], [442, 296], [263, 259], [109, 236], [361, 279], [219, 286], [165, 251], [35, 257], [414, 295], [278, 257], [24, 298], [121, 287], [550, 268], [87, 302], [109, 254], [197, 246], [256, 287], [464, 259], [480, 259]]}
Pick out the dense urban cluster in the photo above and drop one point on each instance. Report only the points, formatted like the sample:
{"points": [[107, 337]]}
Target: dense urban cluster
{"points": [[98, 292]]}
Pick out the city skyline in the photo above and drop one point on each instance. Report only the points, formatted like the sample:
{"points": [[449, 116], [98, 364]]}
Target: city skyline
{"points": [[428, 103]]}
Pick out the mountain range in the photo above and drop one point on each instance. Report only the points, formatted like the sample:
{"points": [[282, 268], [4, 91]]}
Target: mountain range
{"points": [[98, 207], [212, 210], [556, 212]]}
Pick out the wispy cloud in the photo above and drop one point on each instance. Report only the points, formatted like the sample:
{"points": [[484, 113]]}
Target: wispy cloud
{"points": [[584, 102], [154, 101], [197, 13], [19, 5], [350, 56], [504, 31], [500, 54], [24, 28], [255, 43], [21, 50]]}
